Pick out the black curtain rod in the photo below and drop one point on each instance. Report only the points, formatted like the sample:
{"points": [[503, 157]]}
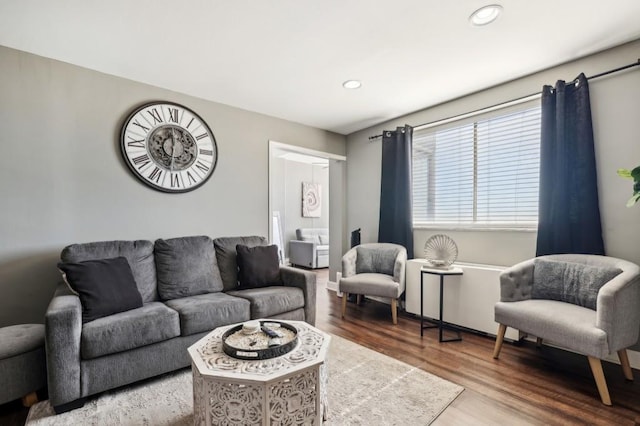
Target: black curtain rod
{"points": [[602, 74]]}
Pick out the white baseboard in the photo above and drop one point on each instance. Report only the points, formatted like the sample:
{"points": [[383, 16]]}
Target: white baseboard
{"points": [[634, 357], [333, 286]]}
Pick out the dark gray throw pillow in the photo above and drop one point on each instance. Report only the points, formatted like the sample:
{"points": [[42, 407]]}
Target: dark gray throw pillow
{"points": [[258, 266], [139, 254], [105, 286], [186, 266], [226, 255], [570, 282], [375, 260]]}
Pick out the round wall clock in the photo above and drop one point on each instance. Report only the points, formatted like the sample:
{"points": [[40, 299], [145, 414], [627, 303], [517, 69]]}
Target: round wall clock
{"points": [[168, 147]]}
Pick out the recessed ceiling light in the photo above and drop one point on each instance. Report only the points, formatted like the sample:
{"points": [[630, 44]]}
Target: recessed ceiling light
{"points": [[485, 15], [352, 84]]}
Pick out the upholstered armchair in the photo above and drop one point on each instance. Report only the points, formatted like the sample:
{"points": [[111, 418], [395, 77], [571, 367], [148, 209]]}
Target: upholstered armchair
{"points": [[585, 303], [375, 269], [310, 249]]}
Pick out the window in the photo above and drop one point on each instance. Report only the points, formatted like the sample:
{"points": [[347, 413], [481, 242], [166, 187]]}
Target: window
{"points": [[482, 173]]}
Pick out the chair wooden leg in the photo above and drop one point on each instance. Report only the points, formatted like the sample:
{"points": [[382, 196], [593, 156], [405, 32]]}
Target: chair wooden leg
{"points": [[345, 296], [394, 311], [626, 367], [538, 342], [359, 299], [29, 400], [601, 383], [499, 339]]}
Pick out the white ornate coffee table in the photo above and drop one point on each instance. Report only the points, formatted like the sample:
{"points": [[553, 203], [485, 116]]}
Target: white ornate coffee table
{"points": [[289, 389]]}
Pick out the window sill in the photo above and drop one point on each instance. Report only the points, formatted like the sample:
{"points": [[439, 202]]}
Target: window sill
{"points": [[474, 228]]}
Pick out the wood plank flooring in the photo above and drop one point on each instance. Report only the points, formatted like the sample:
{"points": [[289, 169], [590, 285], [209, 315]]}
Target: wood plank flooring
{"points": [[526, 386]]}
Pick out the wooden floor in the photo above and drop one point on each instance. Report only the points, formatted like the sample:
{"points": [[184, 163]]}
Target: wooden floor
{"points": [[526, 386]]}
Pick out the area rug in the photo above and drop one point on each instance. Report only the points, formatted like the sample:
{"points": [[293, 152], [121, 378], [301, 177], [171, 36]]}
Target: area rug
{"points": [[365, 388]]}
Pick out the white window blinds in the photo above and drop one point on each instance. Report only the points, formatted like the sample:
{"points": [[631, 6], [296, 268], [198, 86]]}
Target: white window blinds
{"points": [[480, 173]]}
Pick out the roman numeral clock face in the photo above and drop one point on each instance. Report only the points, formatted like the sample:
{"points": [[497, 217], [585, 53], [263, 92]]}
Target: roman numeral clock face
{"points": [[169, 147]]}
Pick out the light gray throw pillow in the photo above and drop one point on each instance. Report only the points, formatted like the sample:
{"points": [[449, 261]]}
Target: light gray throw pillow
{"points": [[569, 282], [186, 266], [375, 260]]}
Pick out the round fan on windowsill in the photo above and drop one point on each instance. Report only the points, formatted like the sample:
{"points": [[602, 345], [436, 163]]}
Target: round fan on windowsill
{"points": [[440, 251]]}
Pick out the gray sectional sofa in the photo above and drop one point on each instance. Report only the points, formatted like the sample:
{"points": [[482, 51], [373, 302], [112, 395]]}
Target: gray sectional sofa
{"points": [[188, 286]]}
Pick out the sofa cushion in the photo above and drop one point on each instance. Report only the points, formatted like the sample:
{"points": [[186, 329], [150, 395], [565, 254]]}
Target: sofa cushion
{"points": [[139, 254], [208, 311], [269, 301], [372, 284], [105, 286], [186, 266], [315, 239], [565, 324], [154, 322], [20, 339], [314, 235], [570, 282], [258, 266], [376, 260], [322, 249], [226, 256]]}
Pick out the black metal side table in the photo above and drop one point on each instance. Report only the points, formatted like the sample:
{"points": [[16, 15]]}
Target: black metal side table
{"points": [[440, 324]]}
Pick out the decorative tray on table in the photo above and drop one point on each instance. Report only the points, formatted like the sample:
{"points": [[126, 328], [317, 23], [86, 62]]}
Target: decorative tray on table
{"points": [[254, 340]]}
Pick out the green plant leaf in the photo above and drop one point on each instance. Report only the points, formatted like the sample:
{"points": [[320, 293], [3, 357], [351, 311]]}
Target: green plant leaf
{"points": [[635, 173], [633, 200], [625, 173]]}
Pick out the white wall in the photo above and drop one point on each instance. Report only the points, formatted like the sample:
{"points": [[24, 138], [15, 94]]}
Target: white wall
{"points": [[62, 179], [287, 177], [615, 101]]}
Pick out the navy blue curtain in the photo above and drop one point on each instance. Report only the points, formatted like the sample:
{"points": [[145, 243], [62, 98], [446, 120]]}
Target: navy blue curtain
{"points": [[569, 213], [395, 225]]}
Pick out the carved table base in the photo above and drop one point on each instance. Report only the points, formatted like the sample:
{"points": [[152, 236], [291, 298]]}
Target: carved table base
{"points": [[287, 390]]}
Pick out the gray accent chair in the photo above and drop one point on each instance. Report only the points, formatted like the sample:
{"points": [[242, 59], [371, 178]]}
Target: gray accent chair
{"points": [[374, 269], [310, 249], [189, 286], [612, 327]]}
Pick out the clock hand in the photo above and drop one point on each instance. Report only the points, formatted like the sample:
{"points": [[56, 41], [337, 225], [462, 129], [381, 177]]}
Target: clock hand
{"points": [[173, 147]]}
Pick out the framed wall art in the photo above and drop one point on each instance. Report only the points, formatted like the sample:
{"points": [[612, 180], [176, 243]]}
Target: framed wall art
{"points": [[311, 199]]}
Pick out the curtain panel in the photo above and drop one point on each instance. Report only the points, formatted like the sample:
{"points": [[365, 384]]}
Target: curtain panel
{"points": [[395, 224], [569, 212]]}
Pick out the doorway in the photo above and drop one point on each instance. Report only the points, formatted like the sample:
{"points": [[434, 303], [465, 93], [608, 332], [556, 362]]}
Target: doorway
{"points": [[306, 190]]}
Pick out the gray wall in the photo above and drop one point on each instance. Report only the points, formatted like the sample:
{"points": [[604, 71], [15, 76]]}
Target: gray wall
{"points": [[615, 104], [63, 181], [337, 216], [287, 179], [296, 173]]}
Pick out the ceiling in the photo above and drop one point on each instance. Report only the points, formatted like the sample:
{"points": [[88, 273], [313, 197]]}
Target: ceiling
{"points": [[288, 58]]}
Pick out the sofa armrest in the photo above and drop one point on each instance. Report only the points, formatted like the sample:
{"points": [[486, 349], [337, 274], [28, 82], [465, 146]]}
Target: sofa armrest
{"points": [[617, 310], [63, 328], [516, 282], [302, 253], [349, 263], [305, 280], [399, 271]]}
